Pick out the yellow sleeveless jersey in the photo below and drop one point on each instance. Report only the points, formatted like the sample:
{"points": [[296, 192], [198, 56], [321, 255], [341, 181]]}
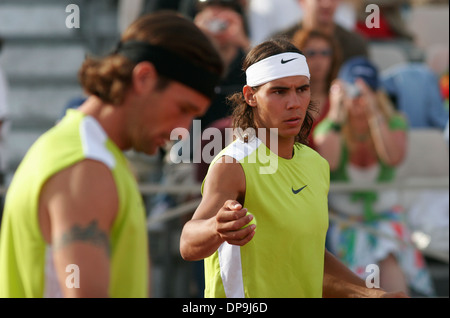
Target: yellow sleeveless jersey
{"points": [[22, 248], [288, 198]]}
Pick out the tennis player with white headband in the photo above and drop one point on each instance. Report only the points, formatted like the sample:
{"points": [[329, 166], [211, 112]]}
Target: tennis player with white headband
{"points": [[263, 235]]}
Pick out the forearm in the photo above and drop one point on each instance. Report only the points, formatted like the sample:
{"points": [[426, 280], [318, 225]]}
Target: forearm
{"points": [[387, 145], [199, 239], [340, 282], [329, 144]]}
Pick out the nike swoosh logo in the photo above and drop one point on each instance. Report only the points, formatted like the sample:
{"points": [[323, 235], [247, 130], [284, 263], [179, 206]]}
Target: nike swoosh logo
{"points": [[299, 190], [287, 61]]}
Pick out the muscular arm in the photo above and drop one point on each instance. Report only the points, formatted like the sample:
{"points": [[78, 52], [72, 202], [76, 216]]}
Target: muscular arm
{"points": [[219, 216], [77, 210], [340, 282]]}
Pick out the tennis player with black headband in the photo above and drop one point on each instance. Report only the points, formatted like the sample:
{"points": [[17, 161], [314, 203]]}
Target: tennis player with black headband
{"points": [[283, 254], [74, 195]]}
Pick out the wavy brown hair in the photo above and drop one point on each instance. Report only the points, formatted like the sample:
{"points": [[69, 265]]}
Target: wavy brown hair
{"points": [[243, 116], [110, 77]]}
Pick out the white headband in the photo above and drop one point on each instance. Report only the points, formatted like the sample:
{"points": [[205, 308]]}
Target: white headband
{"points": [[276, 67]]}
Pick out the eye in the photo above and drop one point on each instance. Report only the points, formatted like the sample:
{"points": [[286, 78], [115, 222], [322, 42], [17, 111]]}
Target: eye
{"points": [[304, 89]]}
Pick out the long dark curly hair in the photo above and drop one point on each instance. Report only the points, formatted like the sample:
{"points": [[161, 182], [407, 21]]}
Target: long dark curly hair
{"points": [[243, 116]]}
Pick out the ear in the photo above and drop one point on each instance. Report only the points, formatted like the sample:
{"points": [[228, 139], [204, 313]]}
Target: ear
{"points": [[250, 96], [144, 77]]}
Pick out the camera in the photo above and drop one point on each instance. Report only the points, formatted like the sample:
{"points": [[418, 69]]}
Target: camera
{"points": [[217, 26], [352, 90]]}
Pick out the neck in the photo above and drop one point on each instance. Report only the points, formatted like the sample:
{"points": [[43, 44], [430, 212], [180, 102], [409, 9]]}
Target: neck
{"points": [[310, 23], [110, 118], [282, 147]]}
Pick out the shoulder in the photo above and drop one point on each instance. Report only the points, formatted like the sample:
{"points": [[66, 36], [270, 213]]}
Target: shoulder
{"points": [[310, 154], [82, 192], [226, 173], [312, 158]]}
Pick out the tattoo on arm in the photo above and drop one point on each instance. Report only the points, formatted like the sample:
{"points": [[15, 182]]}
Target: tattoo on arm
{"points": [[90, 234]]}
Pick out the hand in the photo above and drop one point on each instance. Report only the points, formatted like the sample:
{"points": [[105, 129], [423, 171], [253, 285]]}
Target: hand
{"points": [[368, 98], [229, 222], [234, 32], [338, 111]]}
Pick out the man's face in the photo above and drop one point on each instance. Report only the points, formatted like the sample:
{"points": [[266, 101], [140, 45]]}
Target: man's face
{"points": [[322, 10], [282, 104], [161, 112]]}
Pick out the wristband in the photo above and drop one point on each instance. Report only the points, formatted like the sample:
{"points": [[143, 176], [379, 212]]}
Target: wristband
{"points": [[335, 127]]}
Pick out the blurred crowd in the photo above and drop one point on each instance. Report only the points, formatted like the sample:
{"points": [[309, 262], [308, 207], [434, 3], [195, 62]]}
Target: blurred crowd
{"points": [[346, 84], [364, 116]]}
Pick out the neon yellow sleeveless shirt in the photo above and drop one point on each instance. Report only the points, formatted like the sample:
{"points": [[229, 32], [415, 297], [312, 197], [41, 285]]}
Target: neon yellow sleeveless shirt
{"points": [[288, 198], [22, 247]]}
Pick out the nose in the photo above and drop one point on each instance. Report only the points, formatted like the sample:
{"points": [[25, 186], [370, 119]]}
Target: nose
{"points": [[294, 101]]}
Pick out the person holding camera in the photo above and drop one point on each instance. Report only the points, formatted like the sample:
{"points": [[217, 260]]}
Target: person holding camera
{"points": [[364, 139], [224, 22]]}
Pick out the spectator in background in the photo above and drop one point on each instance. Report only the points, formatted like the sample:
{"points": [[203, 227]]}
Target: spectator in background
{"points": [[364, 139], [392, 25], [415, 90], [443, 84], [267, 17], [323, 55], [233, 44], [319, 15], [225, 24]]}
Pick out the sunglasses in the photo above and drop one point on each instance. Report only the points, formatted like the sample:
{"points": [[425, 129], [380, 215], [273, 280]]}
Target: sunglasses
{"points": [[312, 53]]}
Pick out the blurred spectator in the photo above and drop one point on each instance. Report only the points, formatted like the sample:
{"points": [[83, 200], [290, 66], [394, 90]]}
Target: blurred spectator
{"points": [[415, 90], [267, 17], [129, 10], [443, 83], [224, 22], [392, 24], [323, 55], [446, 133], [364, 139], [320, 15]]}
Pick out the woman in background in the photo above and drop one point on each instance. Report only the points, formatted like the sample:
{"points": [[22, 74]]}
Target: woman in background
{"points": [[364, 139]]}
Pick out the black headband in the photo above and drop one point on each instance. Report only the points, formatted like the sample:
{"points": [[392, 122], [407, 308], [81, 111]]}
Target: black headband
{"points": [[171, 65]]}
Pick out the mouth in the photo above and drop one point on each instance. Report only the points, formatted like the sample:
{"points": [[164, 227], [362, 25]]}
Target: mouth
{"points": [[293, 121]]}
